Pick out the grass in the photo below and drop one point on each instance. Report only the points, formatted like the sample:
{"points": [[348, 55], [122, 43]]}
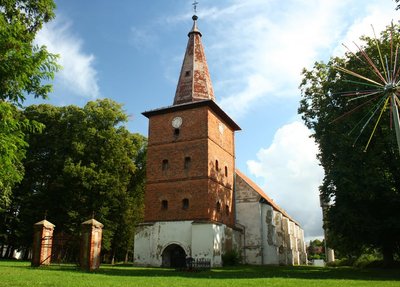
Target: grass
{"points": [[17, 273]]}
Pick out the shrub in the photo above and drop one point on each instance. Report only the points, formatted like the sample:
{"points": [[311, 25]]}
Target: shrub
{"points": [[367, 260], [370, 259], [231, 258], [340, 262]]}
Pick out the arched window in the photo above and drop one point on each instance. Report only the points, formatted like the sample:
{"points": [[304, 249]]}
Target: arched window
{"points": [[187, 162], [185, 203], [176, 132], [218, 207], [164, 204], [165, 164]]}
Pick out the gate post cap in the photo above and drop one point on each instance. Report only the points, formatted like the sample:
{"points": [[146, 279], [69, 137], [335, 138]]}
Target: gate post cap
{"points": [[45, 223], [93, 222]]}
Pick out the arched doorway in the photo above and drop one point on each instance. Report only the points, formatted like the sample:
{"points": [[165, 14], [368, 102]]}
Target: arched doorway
{"points": [[174, 256]]}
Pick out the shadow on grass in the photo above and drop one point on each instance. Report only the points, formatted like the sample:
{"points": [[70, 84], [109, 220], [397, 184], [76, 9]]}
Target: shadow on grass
{"points": [[239, 272], [247, 272]]}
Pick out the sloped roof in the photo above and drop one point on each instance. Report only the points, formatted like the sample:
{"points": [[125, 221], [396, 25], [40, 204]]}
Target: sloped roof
{"points": [[191, 105], [268, 200]]}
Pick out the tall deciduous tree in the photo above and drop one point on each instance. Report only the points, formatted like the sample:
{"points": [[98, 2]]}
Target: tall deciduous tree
{"points": [[364, 187], [84, 162], [25, 68], [23, 64]]}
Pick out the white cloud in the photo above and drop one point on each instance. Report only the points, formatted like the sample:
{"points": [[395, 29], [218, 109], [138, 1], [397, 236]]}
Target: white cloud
{"points": [[271, 47], [78, 74], [258, 49], [142, 39], [290, 169], [257, 86], [377, 16], [266, 53], [272, 41]]}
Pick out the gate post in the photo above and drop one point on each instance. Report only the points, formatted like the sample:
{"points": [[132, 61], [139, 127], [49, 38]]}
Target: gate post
{"points": [[91, 245], [42, 243]]}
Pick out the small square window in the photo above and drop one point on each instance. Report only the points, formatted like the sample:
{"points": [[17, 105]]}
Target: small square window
{"points": [[187, 73]]}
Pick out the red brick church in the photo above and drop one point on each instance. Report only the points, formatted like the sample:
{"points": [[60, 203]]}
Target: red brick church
{"points": [[196, 203]]}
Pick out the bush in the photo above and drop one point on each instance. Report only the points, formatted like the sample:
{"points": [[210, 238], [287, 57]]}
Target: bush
{"points": [[315, 256], [341, 262], [231, 258], [366, 260]]}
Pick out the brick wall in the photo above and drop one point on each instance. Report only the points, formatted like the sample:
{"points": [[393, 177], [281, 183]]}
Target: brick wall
{"points": [[42, 243], [183, 166]]}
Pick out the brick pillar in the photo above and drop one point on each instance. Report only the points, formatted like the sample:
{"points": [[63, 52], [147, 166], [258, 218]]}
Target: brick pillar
{"points": [[91, 245], [42, 243]]}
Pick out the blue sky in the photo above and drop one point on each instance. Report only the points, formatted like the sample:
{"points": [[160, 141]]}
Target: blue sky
{"points": [[131, 51]]}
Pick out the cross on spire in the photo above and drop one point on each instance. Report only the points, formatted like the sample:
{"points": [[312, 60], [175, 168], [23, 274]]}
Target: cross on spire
{"points": [[195, 6]]}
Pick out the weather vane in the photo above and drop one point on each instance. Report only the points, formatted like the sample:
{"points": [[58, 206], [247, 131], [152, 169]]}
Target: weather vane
{"points": [[195, 6]]}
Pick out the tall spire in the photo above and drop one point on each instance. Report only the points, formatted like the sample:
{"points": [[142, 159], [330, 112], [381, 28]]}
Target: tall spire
{"points": [[194, 81]]}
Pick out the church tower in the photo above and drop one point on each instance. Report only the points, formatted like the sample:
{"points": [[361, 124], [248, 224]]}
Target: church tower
{"points": [[189, 197], [191, 160]]}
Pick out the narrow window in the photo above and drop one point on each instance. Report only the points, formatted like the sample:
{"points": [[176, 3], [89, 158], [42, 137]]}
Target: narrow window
{"points": [[187, 162], [176, 132], [227, 209], [218, 206], [164, 204], [185, 203], [216, 165], [165, 164], [226, 171]]}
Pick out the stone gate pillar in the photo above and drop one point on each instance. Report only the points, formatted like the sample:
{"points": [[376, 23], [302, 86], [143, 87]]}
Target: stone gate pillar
{"points": [[42, 243], [91, 245]]}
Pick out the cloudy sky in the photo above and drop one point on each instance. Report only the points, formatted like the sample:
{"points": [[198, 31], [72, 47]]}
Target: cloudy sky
{"points": [[131, 51]]}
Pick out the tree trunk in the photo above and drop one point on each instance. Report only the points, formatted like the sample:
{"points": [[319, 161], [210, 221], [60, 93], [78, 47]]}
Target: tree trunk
{"points": [[9, 252], [113, 257], [387, 252], [26, 253], [127, 256]]}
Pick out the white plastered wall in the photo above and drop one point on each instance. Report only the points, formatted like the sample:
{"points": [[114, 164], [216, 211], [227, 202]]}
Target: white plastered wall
{"points": [[269, 236], [199, 240]]}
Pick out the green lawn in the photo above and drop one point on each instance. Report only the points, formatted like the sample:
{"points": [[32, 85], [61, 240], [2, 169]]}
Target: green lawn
{"points": [[15, 273]]}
